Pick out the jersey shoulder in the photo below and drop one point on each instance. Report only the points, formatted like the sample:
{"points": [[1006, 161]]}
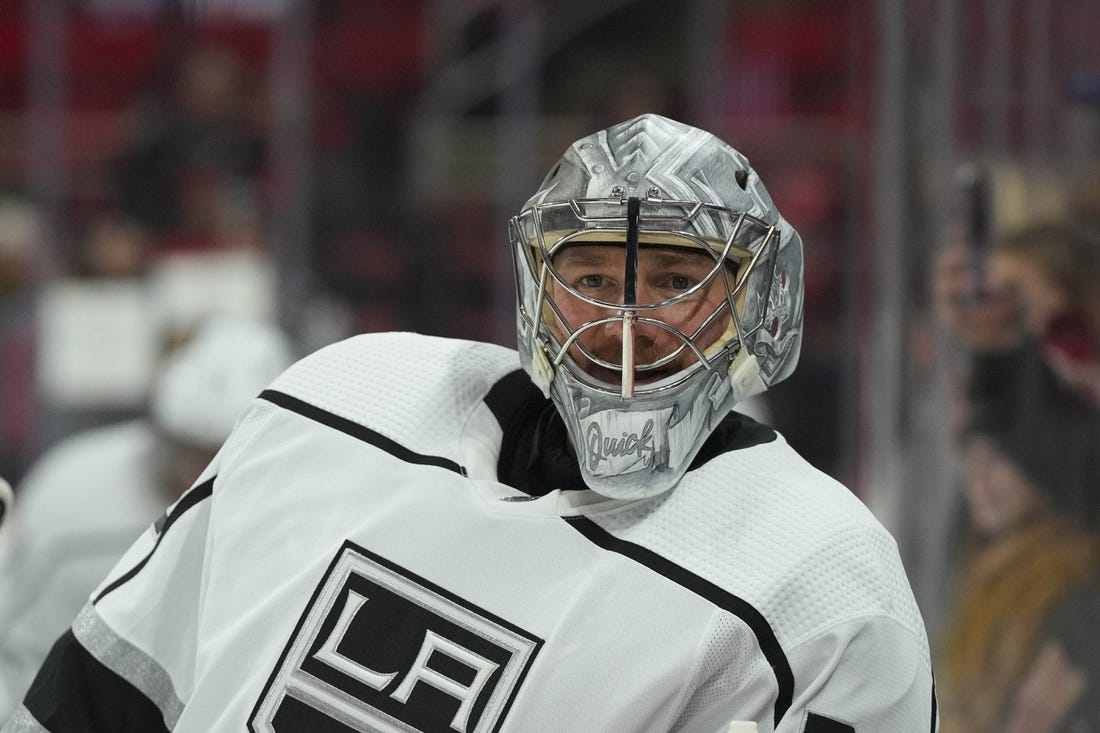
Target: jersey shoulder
{"points": [[767, 526], [416, 390], [833, 554]]}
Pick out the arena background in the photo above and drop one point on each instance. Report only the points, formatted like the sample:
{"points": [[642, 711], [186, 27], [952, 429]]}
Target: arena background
{"points": [[349, 165]]}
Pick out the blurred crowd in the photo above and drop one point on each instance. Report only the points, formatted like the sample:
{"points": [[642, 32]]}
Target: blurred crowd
{"points": [[170, 222], [1020, 299], [175, 236], [136, 320]]}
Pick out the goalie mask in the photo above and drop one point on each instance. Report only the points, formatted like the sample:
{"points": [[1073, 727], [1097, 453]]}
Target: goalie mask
{"points": [[657, 287]]}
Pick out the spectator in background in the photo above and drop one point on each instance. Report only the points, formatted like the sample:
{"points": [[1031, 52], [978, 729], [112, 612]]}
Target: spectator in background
{"points": [[184, 155], [19, 234], [1041, 288], [1005, 665], [1031, 327], [1027, 319], [234, 272], [1053, 270], [113, 247], [88, 498]]}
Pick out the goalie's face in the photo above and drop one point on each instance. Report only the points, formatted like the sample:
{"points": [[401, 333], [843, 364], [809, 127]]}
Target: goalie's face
{"points": [[664, 275]]}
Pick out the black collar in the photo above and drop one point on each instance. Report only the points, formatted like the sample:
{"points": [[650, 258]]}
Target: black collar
{"points": [[534, 456]]}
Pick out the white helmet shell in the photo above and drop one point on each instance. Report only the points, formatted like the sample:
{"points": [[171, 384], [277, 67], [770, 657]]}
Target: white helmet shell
{"points": [[209, 380]]}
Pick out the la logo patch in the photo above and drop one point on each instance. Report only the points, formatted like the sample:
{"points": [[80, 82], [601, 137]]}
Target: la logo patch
{"points": [[380, 649]]}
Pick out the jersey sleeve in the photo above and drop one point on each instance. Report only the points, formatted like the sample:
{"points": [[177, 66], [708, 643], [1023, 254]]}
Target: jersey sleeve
{"points": [[865, 673], [855, 639], [849, 652], [862, 674]]}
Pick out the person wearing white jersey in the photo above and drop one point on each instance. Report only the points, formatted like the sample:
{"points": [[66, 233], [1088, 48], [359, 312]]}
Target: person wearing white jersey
{"points": [[407, 533], [88, 498]]}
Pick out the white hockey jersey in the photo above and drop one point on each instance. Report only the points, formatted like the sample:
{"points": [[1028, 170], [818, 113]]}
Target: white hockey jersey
{"points": [[81, 505], [351, 562]]}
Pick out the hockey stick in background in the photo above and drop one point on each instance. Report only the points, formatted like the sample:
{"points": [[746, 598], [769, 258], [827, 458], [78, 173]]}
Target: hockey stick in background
{"points": [[975, 193]]}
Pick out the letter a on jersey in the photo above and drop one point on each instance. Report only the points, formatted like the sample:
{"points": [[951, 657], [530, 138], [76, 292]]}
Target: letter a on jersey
{"points": [[379, 649]]}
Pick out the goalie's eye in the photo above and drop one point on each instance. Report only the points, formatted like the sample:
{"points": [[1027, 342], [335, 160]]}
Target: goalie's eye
{"points": [[592, 270], [679, 282], [592, 282]]}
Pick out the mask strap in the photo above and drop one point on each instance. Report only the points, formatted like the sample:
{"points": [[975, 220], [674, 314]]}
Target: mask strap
{"points": [[630, 294]]}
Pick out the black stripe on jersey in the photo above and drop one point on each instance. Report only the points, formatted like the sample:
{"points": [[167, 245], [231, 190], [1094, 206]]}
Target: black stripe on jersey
{"points": [[765, 636], [74, 692], [820, 724], [191, 499], [356, 430]]}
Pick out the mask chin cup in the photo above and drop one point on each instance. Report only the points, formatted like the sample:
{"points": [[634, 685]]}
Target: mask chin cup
{"points": [[625, 455], [744, 376]]}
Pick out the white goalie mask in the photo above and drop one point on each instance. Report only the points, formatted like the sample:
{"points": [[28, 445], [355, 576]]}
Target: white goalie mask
{"points": [[657, 287]]}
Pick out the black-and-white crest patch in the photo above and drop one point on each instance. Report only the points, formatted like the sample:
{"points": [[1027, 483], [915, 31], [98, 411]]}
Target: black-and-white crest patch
{"points": [[380, 649]]}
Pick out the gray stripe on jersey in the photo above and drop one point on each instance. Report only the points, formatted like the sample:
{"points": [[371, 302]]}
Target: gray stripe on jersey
{"points": [[23, 722], [128, 662]]}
